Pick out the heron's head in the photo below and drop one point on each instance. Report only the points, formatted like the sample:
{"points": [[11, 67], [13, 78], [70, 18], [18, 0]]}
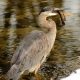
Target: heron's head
{"points": [[57, 14], [44, 18]]}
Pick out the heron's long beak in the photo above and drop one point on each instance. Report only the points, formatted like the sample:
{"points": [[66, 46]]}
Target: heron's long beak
{"points": [[52, 14]]}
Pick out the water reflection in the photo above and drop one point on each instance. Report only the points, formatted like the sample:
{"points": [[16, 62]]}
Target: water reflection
{"points": [[74, 6], [58, 3], [73, 25], [1, 13], [11, 40]]}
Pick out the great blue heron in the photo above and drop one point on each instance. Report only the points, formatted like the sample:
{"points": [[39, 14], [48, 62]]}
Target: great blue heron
{"points": [[34, 48]]}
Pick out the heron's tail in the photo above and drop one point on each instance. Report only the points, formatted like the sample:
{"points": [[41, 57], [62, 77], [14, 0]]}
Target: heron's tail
{"points": [[13, 73]]}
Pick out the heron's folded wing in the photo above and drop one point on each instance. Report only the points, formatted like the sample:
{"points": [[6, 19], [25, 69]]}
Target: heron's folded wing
{"points": [[25, 44]]}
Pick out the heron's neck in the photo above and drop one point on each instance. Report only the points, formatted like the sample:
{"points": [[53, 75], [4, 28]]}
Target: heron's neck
{"points": [[52, 33], [48, 26], [42, 20]]}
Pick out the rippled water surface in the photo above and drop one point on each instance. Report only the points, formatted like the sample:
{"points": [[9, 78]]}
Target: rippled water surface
{"points": [[67, 46]]}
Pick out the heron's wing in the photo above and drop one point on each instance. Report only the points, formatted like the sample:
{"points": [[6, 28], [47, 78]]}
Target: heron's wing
{"points": [[26, 44]]}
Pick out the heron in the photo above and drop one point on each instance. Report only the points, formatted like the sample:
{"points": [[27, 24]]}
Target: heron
{"points": [[35, 47]]}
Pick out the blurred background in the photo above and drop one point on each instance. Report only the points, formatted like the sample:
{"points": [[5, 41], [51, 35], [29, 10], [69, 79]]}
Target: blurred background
{"points": [[18, 18]]}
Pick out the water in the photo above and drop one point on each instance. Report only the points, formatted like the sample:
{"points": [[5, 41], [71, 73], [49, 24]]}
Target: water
{"points": [[67, 46]]}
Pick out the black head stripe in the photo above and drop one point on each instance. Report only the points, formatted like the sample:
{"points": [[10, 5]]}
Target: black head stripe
{"points": [[45, 9]]}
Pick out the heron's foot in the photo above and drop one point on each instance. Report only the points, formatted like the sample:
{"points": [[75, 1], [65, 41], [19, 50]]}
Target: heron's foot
{"points": [[27, 76], [2, 77], [31, 76], [38, 76]]}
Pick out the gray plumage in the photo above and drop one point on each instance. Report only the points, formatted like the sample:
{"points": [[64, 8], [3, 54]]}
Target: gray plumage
{"points": [[34, 48]]}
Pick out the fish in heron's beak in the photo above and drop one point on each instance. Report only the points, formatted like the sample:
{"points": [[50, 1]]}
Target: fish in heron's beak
{"points": [[61, 15]]}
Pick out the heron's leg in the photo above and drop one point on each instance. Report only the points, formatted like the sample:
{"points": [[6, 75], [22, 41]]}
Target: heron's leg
{"points": [[37, 75], [25, 75]]}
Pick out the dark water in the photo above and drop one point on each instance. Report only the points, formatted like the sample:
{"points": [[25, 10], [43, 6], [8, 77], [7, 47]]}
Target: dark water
{"points": [[64, 57]]}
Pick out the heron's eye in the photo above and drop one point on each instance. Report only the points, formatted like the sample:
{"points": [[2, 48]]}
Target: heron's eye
{"points": [[50, 17]]}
